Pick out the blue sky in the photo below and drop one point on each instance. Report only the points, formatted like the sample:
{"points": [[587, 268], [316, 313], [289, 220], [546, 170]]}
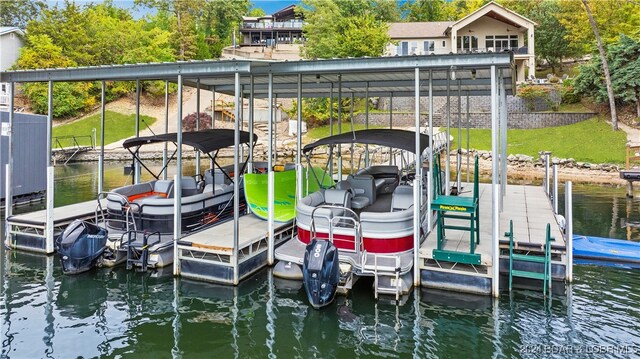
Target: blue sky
{"points": [[269, 6]]}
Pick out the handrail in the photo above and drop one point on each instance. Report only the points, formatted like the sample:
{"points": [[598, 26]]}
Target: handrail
{"points": [[127, 212], [75, 144], [354, 219]]}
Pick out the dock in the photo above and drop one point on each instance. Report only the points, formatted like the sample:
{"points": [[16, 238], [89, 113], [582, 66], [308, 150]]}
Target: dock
{"points": [[208, 254], [28, 230], [529, 208]]}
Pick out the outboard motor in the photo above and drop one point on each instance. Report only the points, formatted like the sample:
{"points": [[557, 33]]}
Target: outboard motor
{"points": [[321, 272], [80, 246]]}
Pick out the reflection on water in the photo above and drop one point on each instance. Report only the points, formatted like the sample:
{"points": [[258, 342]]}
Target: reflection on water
{"points": [[115, 313], [119, 313]]}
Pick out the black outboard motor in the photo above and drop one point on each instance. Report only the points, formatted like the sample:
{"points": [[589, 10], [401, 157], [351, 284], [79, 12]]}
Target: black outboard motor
{"points": [[80, 246], [321, 272]]}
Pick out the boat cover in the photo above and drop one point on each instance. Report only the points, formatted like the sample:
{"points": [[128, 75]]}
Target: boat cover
{"points": [[606, 249], [401, 139], [204, 140], [256, 186]]}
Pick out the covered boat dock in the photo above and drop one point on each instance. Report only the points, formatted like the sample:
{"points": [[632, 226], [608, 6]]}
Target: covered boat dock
{"points": [[481, 74]]}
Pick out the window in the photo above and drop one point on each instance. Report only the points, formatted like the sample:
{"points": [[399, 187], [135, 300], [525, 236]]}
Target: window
{"points": [[12, 35], [467, 43], [414, 47], [405, 48], [429, 46], [444, 43], [501, 42]]}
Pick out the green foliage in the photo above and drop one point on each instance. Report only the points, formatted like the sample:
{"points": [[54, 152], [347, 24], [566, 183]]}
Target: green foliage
{"points": [[19, 13], [551, 43], [343, 29], [424, 10], [568, 93], [624, 64], [531, 93], [117, 126], [613, 17], [69, 98], [256, 12], [589, 141]]}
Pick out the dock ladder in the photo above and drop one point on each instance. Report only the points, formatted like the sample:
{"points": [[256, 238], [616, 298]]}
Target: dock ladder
{"points": [[393, 273], [544, 259], [138, 252]]}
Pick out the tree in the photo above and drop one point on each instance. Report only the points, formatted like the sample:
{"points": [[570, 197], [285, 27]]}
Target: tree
{"points": [[424, 10], [19, 12], [550, 43], [605, 67], [625, 63], [347, 31], [612, 17], [256, 12]]}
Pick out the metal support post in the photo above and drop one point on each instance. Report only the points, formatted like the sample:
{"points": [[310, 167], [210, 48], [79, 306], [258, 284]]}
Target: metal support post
{"points": [[166, 129], [250, 125], [417, 187], [197, 124], [177, 184], [555, 188], [50, 175], [495, 186], [568, 229], [270, 178], [136, 170], [299, 141], [236, 183]]}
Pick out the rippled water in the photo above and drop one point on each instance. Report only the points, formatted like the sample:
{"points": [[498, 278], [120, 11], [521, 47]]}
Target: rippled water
{"points": [[119, 313]]}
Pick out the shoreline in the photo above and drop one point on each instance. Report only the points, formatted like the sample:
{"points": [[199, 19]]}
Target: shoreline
{"points": [[525, 171]]}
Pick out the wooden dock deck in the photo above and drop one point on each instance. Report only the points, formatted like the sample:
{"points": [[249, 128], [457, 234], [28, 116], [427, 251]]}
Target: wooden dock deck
{"points": [[530, 210], [27, 231], [208, 255]]}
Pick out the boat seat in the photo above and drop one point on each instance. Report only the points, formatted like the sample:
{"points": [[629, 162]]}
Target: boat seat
{"points": [[338, 197], [214, 176], [363, 185], [358, 200], [402, 198], [163, 187], [189, 186]]}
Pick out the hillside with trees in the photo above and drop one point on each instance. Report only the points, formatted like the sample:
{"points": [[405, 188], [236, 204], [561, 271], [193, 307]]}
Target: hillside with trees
{"points": [[67, 34]]}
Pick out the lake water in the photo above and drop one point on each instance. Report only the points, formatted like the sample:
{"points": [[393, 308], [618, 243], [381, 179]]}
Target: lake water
{"points": [[120, 314]]}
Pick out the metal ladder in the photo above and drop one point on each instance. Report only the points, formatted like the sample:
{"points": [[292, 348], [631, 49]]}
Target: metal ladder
{"points": [[352, 221], [392, 273], [544, 259], [138, 253], [129, 220]]}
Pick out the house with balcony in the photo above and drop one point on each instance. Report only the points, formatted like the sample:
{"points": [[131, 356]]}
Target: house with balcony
{"points": [[11, 41], [490, 28], [282, 27]]}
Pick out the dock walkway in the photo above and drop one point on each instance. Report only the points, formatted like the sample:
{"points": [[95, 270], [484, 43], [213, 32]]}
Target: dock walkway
{"points": [[28, 230], [208, 254], [530, 210]]}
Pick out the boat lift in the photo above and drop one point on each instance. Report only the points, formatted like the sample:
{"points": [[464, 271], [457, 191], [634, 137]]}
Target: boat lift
{"points": [[481, 74]]}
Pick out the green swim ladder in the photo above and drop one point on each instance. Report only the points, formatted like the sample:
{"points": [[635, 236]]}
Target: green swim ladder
{"points": [[545, 259]]}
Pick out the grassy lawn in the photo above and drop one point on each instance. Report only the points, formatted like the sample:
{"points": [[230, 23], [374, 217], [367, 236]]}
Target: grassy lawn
{"points": [[117, 127], [588, 141], [571, 107], [323, 131]]}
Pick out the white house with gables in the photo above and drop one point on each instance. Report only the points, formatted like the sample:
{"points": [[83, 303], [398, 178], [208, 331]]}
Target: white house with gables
{"points": [[490, 28], [11, 41]]}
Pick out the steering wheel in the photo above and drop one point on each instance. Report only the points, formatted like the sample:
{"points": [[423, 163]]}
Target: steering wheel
{"points": [[408, 178]]}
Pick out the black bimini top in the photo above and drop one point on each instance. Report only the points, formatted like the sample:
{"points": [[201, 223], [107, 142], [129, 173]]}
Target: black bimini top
{"points": [[204, 140], [401, 139]]}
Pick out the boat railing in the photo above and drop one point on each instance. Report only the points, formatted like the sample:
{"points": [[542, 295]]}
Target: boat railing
{"points": [[129, 220], [348, 219]]}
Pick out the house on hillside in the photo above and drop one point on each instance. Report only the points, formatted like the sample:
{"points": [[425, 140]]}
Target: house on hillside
{"points": [[11, 41], [490, 28], [282, 27]]}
